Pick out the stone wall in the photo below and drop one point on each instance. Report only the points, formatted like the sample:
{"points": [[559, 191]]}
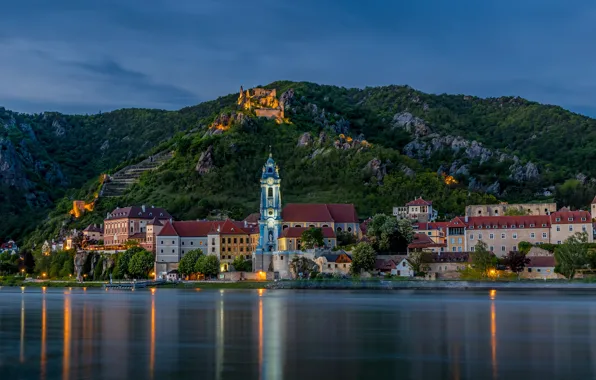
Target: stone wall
{"points": [[501, 209]]}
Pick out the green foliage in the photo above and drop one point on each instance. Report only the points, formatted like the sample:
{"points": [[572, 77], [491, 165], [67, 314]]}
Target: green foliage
{"points": [[516, 261], [524, 247], [188, 262], [9, 264], [363, 258], [515, 212], [345, 239], [302, 265], [311, 238], [388, 234], [572, 255], [242, 265], [124, 260], [210, 266], [483, 260], [141, 264]]}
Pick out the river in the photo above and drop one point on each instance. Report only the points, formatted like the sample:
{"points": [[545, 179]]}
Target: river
{"points": [[290, 334]]}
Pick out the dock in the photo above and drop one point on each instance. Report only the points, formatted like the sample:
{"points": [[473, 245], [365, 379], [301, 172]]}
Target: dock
{"points": [[133, 285]]}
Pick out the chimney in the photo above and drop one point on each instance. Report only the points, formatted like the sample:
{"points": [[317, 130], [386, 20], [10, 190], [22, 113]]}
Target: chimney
{"points": [[143, 208], [245, 224], [466, 219]]}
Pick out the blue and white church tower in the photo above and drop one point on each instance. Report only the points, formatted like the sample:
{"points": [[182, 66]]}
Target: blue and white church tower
{"points": [[270, 221]]}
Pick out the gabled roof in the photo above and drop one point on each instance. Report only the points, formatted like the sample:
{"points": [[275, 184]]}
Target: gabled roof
{"points": [[542, 262], [419, 202], [93, 228], [253, 218], [230, 228], [381, 264], [337, 258], [423, 241], [564, 216], [138, 213], [154, 222], [168, 230], [456, 222], [320, 212], [427, 226], [296, 232]]}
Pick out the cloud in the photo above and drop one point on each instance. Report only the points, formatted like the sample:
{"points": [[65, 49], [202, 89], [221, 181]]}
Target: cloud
{"points": [[72, 55]]}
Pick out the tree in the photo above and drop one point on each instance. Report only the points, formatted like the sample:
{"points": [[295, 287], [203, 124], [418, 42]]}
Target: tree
{"points": [[242, 265], [524, 247], [345, 238], [312, 238], [124, 260], [188, 262], [141, 263], [572, 255], [387, 234], [482, 259], [363, 258], [131, 243], [516, 261], [210, 266], [418, 261]]}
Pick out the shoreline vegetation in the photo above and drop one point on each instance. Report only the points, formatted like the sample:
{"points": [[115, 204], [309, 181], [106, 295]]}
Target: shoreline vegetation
{"points": [[334, 284]]}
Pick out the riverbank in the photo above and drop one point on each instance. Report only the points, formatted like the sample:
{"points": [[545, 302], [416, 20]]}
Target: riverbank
{"points": [[432, 285], [99, 284]]}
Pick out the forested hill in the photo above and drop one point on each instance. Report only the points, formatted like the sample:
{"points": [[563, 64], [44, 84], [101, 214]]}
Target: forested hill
{"points": [[375, 147]]}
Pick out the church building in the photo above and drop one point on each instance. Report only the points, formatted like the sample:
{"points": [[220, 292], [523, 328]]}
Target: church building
{"points": [[280, 228]]}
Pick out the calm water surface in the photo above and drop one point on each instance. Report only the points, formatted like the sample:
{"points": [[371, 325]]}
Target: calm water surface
{"points": [[281, 334]]}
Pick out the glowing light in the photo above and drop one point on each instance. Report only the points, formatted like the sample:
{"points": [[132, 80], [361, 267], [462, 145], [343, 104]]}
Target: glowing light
{"points": [[66, 348], [22, 289], [493, 338], [153, 291], [43, 289], [43, 274], [449, 180], [261, 291], [492, 294], [262, 276]]}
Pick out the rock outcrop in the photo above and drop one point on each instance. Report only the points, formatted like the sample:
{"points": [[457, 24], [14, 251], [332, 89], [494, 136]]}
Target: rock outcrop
{"points": [[58, 128], [12, 172], [411, 123], [205, 163], [305, 139]]}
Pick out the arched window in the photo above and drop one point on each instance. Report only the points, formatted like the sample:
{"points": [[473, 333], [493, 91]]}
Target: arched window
{"points": [[349, 229], [270, 192], [270, 170], [338, 229], [325, 225], [284, 226]]}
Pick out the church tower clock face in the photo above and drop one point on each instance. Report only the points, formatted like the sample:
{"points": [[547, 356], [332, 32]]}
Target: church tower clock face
{"points": [[270, 181], [271, 223]]}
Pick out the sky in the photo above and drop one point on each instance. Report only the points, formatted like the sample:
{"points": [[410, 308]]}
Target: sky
{"points": [[76, 56]]}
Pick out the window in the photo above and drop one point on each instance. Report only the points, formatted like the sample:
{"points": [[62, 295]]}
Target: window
{"points": [[538, 270], [241, 240], [452, 240], [192, 243], [429, 233], [345, 266], [212, 249], [162, 251], [229, 240], [173, 242], [532, 235], [471, 236], [212, 240], [479, 236], [532, 226], [459, 240], [270, 192], [491, 236], [349, 229], [513, 226], [570, 219], [558, 241], [459, 249], [472, 249], [514, 248], [558, 228], [235, 240], [241, 249], [503, 236], [502, 248], [570, 228], [453, 249], [583, 219], [515, 236], [173, 251], [544, 235], [201, 242], [162, 242], [329, 266], [529, 270], [182, 243], [336, 265], [557, 219], [491, 248], [584, 228], [403, 264], [281, 257]]}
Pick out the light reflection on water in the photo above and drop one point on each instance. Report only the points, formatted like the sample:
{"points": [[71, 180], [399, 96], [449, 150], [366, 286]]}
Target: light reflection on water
{"points": [[271, 334]]}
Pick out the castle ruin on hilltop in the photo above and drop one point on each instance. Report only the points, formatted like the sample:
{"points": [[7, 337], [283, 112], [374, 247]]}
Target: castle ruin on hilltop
{"points": [[264, 102]]}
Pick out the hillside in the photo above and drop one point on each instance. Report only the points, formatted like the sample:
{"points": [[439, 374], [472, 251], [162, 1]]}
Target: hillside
{"points": [[397, 143]]}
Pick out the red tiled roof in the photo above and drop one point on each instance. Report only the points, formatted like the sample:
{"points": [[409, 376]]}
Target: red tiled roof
{"points": [[138, 236], [320, 212], [456, 222], [335, 257], [296, 232], [138, 213], [542, 261], [431, 226], [576, 217], [230, 228], [168, 230], [249, 228], [423, 241], [518, 221], [93, 228], [253, 218], [343, 213], [419, 202]]}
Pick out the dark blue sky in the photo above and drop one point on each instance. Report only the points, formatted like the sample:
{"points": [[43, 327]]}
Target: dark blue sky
{"points": [[87, 56]]}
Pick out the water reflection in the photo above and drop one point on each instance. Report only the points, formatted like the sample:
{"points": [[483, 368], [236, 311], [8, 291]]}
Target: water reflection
{"points": [[44, 332], [273, 334], [66, 334], [22, 352]]}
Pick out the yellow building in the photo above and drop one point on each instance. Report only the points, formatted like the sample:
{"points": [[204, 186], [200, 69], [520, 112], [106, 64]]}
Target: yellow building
{"points": [[290, 238]]}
